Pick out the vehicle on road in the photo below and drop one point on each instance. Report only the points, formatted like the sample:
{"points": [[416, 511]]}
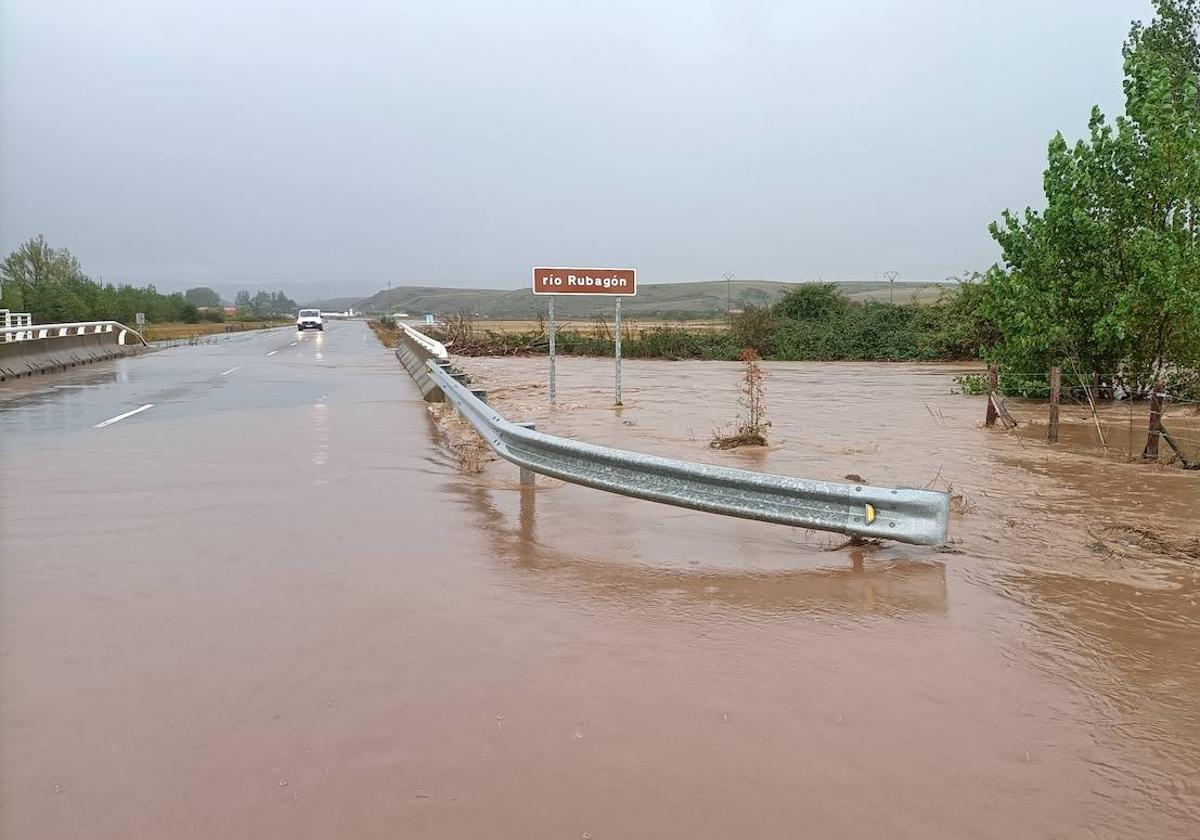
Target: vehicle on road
{"points": [[310, 319]]}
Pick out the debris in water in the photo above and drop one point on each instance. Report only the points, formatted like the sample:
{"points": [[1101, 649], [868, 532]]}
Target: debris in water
{"points": [[959, 503], [1121, 542], [855, 542]]}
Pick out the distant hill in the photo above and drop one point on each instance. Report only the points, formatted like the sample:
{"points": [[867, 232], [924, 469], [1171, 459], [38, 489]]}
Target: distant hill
{"points": [[334, 304], [675, 301]]}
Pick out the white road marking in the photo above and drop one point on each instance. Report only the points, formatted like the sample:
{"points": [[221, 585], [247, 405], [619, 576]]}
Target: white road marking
{"points": [[231, 370], [121, 417], [273, 352]]}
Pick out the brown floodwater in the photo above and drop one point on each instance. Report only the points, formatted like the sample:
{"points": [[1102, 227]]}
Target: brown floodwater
{"points": [[274, 606]]}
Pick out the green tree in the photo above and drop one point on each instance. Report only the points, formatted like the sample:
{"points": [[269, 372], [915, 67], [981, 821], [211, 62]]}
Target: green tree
{"points": [[47, 282], [202, 296], [1108, 274]]}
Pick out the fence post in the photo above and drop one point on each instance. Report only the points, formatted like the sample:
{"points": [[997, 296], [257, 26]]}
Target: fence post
{"points": [[993, 383], [1055, 394], [527, 475], [1150, 453]]}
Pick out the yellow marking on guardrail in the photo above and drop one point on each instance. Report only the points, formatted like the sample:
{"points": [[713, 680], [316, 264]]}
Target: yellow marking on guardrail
{"points": [[870, 514]]}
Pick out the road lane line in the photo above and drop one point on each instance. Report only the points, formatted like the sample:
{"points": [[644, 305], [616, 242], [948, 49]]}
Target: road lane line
{"points": [[293, 344], [273, 352], [231, 370], [121, 417]]}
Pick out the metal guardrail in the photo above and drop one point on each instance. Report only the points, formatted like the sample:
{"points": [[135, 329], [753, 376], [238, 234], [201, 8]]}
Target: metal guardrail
{"points": [[912, 516], [33, 332]]}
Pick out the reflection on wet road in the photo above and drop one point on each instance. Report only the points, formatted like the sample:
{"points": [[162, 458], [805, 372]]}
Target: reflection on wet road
{"points": [[272, 607]]}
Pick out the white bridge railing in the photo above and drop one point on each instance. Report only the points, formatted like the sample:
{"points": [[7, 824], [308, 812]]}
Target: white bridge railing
{"points": [[15, 320], [17, 327]]}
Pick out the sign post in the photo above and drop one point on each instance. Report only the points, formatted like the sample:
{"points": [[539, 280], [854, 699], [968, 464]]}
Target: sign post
{"points": [[553, 330], [140, 319], [613, 282], [617, 347]]}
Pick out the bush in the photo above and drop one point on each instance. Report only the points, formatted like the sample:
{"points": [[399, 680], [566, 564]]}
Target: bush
{"points": [[755, 329], [812, 301]]}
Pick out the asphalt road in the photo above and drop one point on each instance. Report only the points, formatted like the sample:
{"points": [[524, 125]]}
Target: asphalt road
{"points": [[272, 369]]}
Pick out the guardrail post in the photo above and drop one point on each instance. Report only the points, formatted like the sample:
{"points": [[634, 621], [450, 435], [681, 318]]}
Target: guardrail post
{"points": [[527, 475]]}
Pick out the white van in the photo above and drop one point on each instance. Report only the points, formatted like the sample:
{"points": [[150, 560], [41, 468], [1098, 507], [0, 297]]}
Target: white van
{"points": [[310, 319]]}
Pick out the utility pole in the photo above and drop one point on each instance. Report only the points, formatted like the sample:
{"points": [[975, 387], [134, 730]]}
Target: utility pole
{"points": [[728, 275], [891, 278]]}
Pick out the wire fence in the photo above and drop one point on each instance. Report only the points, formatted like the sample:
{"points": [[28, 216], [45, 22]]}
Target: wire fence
{"points": [[1155, 415]]}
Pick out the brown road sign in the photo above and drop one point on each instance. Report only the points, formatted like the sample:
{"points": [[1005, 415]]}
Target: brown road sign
{"points": [[585, 281]]}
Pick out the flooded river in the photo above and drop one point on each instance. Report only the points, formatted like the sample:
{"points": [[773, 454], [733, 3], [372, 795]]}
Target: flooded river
{"points": [[274, 606], [1042, 671]]}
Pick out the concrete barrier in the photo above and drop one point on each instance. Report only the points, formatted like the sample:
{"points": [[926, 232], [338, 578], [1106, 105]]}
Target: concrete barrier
{"points": [[59, 352], [414, 351]]}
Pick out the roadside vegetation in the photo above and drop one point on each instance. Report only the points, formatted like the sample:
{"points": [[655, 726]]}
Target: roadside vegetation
{"points": [[385, 330], [50, 284], [814, 321]]}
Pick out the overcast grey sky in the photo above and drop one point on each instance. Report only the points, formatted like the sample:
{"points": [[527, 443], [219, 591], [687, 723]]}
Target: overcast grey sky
{"points": [[336, 146]]}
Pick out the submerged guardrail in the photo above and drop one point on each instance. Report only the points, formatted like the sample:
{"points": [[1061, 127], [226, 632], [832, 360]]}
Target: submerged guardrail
{"points": [[905, 515]]}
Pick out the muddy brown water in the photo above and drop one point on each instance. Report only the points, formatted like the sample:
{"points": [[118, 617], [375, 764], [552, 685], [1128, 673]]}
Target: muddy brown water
{"points": [[302, 620]]}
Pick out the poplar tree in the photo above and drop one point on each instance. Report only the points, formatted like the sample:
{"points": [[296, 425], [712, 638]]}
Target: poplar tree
{"points": [[1108, 275]]}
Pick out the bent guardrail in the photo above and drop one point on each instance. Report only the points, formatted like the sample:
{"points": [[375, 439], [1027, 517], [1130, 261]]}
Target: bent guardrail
{"points": [[40, 348], [912, 516]]}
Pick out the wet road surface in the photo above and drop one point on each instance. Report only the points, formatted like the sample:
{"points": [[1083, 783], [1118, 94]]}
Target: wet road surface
{"points": [[271, 606]]}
